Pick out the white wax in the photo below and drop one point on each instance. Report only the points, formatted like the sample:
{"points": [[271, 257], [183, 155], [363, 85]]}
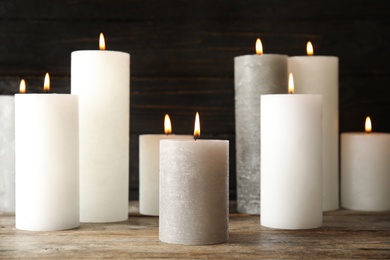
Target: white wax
{"points": [[46, 154], [194, 186], [320, 75], [149, 158], [253, 75], [101, 79], [365, 171], [291, 187], [7, 154]]}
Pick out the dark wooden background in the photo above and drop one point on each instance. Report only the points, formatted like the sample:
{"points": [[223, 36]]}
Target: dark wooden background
{"points": [[182, 54]]}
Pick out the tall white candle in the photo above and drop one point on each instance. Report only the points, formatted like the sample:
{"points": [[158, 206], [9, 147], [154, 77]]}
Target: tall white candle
{"points": [[253, 75], [46, 154], [319, 75], [365, 171], [194, 198], [101, 79], [149, 159], [291, 194], [7, 154]]}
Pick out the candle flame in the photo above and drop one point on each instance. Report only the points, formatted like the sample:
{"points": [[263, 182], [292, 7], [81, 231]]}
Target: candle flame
{"points": [[259, 47], [368, 125], [102, 42], [197, 126], [167, 125], [22, 86], [291, 84], [46, 83], [309, 49]]}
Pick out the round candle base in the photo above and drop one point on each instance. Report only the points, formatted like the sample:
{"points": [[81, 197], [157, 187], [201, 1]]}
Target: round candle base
{"points": [[291, 187], [47, 162], [320, 75], [194, 198], [7, 154], [365, 171], [253, 75], [149, 158]]}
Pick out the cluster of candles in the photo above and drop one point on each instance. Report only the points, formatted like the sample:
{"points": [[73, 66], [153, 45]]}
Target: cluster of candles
{"points": [[72, 152]]}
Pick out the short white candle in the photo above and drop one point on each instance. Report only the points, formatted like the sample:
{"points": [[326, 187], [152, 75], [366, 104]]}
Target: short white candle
{"points": [[194, 198], [320, 75], [46, 154], [149, 159], [253, 75], [101, 79], [7, 154], [291, 190], [365, 171]]}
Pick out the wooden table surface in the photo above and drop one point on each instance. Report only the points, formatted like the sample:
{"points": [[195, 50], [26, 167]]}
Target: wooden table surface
{"points": [[344, 234]]}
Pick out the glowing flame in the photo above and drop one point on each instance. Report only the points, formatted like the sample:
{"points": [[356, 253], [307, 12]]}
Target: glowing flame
{"points": [[259, 47], [46, 83], [167, 125], [291, 84], [102, 42], [309, 49], [22, 86], [197, 126], [368, 125]]}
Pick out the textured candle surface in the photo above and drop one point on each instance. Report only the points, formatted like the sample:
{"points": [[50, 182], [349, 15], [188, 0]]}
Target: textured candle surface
{"points": [[365, 171], [101, 79], [149, 159], [194, 198], [291, 194], [319, 75], [47, 169], [253, 75], [7, 154]]}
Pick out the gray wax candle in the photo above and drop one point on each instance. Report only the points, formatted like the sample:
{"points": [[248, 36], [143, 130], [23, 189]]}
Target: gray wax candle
{"points": [[194, 198], [7, 154], [254, 75]]}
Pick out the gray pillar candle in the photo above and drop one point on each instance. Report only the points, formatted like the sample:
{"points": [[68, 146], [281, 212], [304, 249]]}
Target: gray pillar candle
{"points": [[254, 75], [7, 154], [194, 198]]}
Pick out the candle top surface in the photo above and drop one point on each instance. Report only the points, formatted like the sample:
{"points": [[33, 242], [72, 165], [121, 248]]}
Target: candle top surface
{"points": [[364, 134], [194, 141], [103, 52], [262, 55], [162, 134], [315, 56]]}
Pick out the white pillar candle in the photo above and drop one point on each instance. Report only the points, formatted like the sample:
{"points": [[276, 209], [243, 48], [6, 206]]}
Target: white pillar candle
{"points": [[365, 171], [149, 162], [7, 154], [194, 198], [101, 79], [253, 75], [319, 75], [291, 192], [46, 154]]}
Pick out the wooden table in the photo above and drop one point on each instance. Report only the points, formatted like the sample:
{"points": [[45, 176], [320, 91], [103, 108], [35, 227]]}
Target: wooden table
{"points": [[345, 234]]}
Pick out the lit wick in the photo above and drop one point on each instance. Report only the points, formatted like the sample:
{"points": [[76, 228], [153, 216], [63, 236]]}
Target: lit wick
{"points": [[197, 127], [291, 84], [46, 83], [167, 125]]}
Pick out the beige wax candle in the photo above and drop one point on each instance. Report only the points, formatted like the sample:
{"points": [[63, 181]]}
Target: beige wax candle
{"points": [[194, 198], [253, 75], [365, 171], [320, 75], [149, 161]]}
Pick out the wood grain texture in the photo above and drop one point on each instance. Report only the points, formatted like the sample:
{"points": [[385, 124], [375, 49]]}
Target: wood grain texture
{"points": [[182, 54], [344, 234]]}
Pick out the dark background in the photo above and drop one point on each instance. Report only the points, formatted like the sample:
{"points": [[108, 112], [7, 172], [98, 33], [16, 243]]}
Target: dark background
{"points": [[182, 54]]}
